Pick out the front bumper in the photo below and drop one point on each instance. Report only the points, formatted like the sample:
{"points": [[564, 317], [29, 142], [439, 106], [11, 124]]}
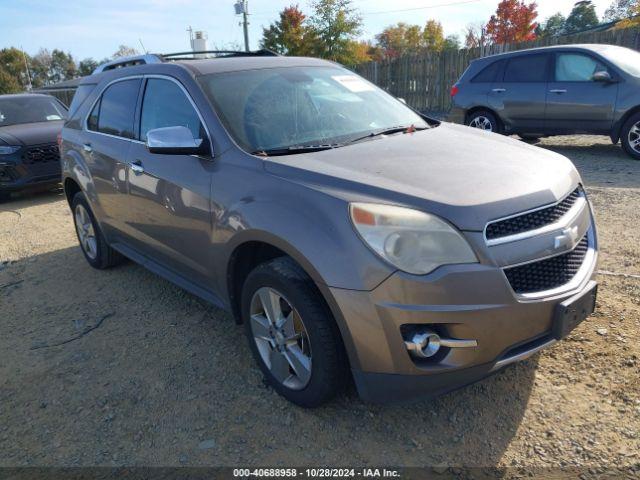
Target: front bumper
{"points": [[29, 167], [461, 302]]}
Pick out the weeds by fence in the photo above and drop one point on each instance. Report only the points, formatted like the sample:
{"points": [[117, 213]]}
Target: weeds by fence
{"points": [[424, 80]]}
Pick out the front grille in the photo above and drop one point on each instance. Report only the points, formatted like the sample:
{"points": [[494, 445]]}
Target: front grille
{"points": [[549, 273], [41, 154], [532, 220]]}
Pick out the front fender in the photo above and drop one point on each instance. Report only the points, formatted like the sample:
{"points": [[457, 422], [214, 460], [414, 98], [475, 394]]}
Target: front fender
{"points": [[314, 229]]}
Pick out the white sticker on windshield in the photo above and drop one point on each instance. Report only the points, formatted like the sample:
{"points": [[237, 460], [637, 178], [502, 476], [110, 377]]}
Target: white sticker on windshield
{"points": [[354, 83], [53, 117]]}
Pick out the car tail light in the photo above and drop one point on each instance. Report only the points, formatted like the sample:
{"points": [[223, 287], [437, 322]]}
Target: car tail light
{"points": [[59, 142], [454, 90]]}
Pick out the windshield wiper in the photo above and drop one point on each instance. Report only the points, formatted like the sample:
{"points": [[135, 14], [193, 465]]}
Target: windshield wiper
{"points": [[295, 149], [388, 131]]}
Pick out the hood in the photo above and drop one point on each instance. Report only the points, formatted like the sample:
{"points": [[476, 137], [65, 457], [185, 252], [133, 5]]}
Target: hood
{"points": [[465, 175], [31, 133]]}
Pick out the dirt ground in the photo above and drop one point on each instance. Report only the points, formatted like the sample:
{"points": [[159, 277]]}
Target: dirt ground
{"points": [[166, 380]]}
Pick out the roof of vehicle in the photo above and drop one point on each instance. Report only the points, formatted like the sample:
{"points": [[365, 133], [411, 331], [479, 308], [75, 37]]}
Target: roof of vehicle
{"points": [[233, 64], [208, 66], [596, 47]]}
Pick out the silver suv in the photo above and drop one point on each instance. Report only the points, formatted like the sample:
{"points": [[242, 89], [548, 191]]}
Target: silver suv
{"points": [[354, 238]]}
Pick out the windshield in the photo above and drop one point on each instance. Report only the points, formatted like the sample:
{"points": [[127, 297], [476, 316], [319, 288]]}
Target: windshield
{"points": [[277, 108], [16, 110], [625, 58]]}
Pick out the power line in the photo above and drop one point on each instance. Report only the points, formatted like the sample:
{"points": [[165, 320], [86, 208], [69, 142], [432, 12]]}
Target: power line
{"points": [[448, 4]]}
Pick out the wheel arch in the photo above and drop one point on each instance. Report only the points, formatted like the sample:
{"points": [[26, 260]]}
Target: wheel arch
{"points": [[252, 249], [259, 247], [71, 188], [616, 131], [480, 108]]}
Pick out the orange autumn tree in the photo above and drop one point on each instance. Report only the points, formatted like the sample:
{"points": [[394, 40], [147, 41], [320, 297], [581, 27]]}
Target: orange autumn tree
{"points": [[514, 21]]}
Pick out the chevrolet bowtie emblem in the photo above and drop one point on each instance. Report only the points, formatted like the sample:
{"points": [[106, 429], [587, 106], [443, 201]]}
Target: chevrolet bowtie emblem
{"points": [[567, 239]]}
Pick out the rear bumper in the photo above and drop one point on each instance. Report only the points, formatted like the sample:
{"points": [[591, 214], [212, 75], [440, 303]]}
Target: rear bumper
{"points": [[460, 302]]}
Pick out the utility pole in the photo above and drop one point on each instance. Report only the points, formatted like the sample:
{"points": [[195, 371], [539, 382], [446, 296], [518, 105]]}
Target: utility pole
{"points": [[242, 7]]}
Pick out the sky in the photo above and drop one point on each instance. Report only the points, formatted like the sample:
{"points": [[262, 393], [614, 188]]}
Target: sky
{"points": [[95, 28]]}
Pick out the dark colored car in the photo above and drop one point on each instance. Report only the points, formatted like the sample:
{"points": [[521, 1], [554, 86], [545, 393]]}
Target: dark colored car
{"points": [[29, 154], [560, 90], [350, 235]]}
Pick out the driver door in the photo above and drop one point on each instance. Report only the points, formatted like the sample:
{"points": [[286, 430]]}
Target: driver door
{"points": [[169, 194], [575, 102]]}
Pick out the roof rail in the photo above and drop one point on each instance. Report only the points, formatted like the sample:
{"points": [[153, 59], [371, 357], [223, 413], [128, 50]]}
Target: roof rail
{"points": [[128, 62], [219, 53], [164, 57]]}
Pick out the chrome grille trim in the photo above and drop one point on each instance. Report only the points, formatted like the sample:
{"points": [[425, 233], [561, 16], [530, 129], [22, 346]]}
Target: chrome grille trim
{"points": [[574, 211]]}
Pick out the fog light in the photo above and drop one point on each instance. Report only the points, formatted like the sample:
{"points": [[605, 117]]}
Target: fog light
{"points": [[423, 344], [426, 343]]}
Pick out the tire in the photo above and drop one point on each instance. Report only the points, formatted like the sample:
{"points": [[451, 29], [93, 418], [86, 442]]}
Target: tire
{"points": [[92, 242], [629, 134], [484, 120], [318, 353]]}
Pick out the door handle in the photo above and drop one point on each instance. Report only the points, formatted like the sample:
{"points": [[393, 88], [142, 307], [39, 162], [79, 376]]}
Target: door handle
{"points": [[558, 90], [87, 148], [136, 167], [498, 90]]}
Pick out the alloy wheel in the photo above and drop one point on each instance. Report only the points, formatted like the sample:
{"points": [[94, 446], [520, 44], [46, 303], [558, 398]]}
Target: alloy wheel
{"points": [[481, 122], [281, 338], [86, 232], [634, 137]]}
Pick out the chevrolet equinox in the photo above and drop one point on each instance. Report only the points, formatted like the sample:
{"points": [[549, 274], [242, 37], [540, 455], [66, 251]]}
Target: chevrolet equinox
{"points": [[353, 237]]}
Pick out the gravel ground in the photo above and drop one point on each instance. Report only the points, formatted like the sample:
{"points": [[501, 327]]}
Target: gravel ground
{"points": [[164, 379]]}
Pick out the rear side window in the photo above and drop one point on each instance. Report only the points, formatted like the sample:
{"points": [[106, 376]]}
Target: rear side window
{"points": [[528, 68], [166, 105], [576, 67], [489, 74], [117, 109], [92, 121], [80, 95]]}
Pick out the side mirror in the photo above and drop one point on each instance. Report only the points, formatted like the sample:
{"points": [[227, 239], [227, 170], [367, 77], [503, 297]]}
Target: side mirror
{"points": [[175, 141], [602, 76]]}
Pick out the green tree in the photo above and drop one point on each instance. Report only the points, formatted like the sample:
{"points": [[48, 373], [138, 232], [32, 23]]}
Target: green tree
{"points": [[13, 71], [433, 36], [290, 35], [399, 39], [52, 67], [86, 67], [336, 24], [633, 20], [452, 42], [63, 67], [619, 9], [583, 16], [8, 83], [554, 26]]}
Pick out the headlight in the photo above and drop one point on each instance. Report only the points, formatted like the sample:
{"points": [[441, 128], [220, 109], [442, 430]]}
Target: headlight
{"points": [[8, 149], [413, 241]]}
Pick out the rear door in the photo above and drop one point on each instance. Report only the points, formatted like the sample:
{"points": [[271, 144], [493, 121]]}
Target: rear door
{"points": [[519, 96], [110, 130], [169, 194], [575, 102]]}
